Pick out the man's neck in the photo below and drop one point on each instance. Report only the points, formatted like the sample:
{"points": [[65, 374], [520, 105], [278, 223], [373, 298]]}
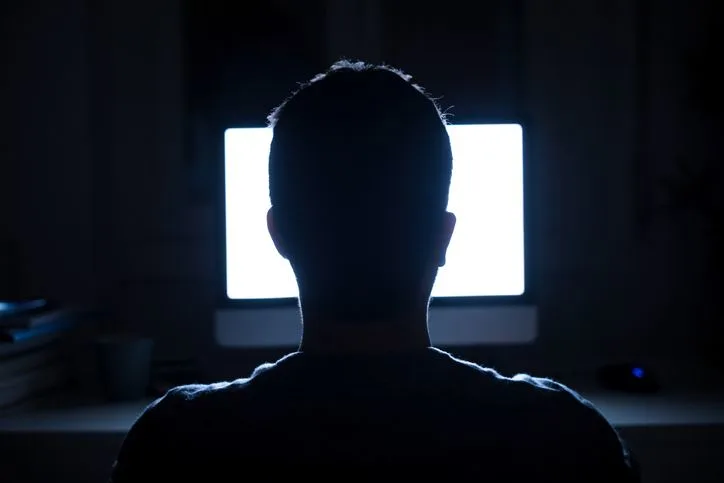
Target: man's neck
{"points": [[360, 337]]}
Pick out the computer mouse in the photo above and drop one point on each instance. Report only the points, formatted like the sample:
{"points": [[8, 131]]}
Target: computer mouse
{"points": [[628, 377]]}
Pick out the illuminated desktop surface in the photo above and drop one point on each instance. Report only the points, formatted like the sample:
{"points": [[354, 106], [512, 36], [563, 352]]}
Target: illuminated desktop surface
{"points": [[622, 410], [674, 436]]}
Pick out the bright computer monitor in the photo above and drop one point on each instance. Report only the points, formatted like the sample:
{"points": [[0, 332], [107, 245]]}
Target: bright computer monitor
{"points": [[486, 258]]}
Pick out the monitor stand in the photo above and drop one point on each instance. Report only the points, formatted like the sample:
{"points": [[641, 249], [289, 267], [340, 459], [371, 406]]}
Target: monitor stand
{"points": [[449, 326]]}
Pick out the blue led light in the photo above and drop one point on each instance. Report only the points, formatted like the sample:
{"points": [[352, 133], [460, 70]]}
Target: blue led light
{"points": [[637, 372]]}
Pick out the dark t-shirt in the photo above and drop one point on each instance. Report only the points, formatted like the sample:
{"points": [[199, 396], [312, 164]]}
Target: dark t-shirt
{"points": [[416, 414]]}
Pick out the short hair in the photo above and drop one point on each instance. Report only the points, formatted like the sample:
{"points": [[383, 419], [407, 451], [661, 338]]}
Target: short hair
{"points": [[359, 175]]}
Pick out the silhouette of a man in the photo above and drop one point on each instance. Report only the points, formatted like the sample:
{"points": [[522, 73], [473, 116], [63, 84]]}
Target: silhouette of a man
{"points": [[359, 173]]}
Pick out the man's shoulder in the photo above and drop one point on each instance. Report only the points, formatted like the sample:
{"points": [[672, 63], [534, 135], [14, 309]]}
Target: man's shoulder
{"points": [[479, 384], [543, 398], [523, 387], [545, 413], [199, 400]]}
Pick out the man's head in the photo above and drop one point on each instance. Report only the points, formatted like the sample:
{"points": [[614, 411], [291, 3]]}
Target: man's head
{"points": [[359, 174]]}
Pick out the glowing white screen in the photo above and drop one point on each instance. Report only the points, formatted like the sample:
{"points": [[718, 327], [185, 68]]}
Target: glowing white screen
{"points": [[486, 253]]}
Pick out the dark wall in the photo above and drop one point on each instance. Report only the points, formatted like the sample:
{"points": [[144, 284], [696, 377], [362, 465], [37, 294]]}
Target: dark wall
{"points": [[95, 172], [47, 170]]}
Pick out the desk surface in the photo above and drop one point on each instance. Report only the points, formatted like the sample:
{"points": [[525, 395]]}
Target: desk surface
{"points": [[622, 410]]}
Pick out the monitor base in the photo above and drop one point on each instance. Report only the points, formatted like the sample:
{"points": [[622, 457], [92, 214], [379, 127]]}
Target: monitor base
{"points": [[449, 326]]}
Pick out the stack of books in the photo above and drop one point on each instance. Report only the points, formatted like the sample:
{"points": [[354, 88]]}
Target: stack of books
{"points": [[32, 357]]}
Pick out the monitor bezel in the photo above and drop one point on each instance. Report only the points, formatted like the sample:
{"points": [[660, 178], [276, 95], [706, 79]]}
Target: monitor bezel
{"points": [[526, 298]]}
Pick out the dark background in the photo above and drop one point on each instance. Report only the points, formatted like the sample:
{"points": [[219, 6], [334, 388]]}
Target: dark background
{"points": [[111, 112]]}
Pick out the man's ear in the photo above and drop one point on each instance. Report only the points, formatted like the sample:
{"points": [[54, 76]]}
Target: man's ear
{"points": [[276, 238], [446, 232]]}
